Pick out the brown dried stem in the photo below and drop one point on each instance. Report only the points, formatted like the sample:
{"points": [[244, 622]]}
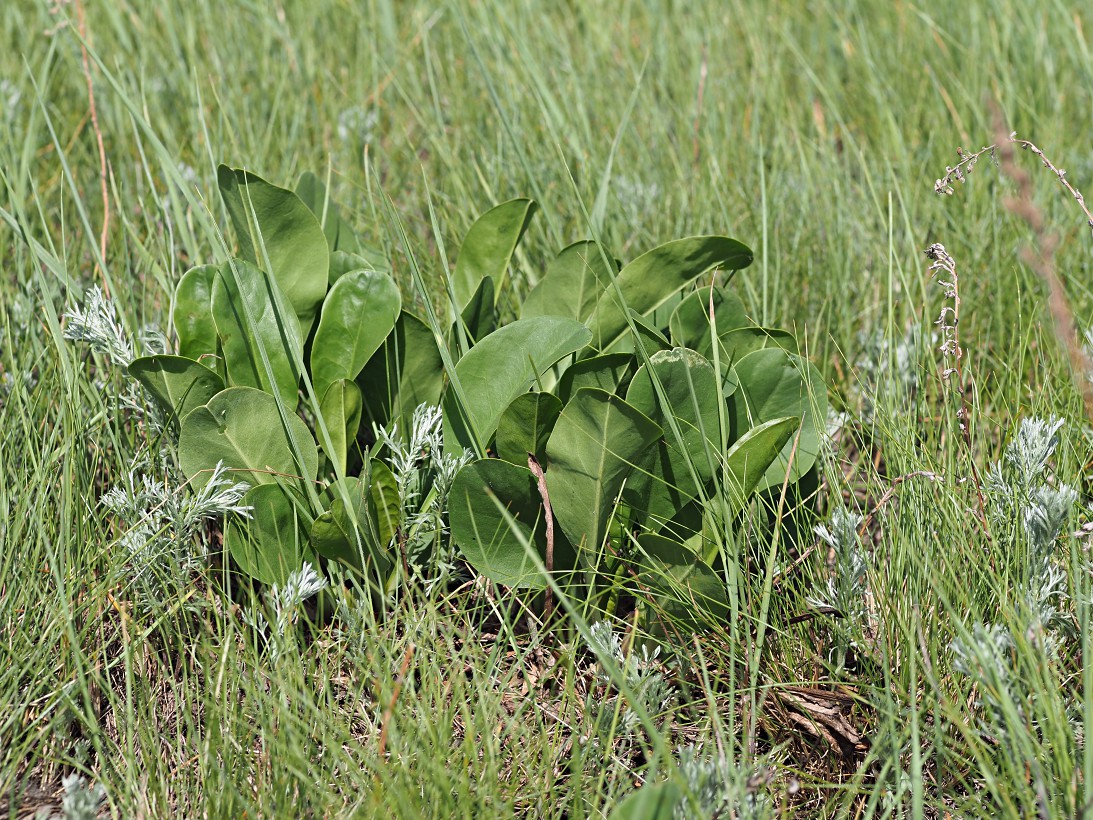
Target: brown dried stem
{"points": [[1041, 256], [548, 515], [999, 151]]}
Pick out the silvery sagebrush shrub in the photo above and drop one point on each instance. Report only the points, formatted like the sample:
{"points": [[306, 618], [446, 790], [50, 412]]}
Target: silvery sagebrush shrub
{"points": [[282, 605], [706, 785], [844, 594], [1028, 515], [80, 802], [424, 472], [164, 540], [722, 789], [889, 371], [611, 716]]}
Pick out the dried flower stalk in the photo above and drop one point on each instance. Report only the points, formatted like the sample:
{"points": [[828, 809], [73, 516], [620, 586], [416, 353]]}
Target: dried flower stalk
{"points": [[949, 320]]}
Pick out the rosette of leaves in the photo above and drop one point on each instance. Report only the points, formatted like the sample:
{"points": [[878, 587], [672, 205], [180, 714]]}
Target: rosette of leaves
{"points": [[672, 418], [623, 394]]}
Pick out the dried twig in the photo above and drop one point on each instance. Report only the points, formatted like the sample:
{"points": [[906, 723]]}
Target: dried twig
{"points": [[548, 515]]}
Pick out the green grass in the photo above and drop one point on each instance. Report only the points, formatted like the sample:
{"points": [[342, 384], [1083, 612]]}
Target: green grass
{"points": [[812, 133]]}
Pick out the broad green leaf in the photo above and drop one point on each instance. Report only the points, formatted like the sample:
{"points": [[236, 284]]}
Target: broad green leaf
{"points": [[606, 372], [749, 459], [350, 532], [738, 343], [242, 427], [342, 263], [487, 540], [192, 314], [691, 325], [341, 411], [674, 470], [256, 325], [273, 542], [278, 232], [501, 367], [775, 384], [572, 284], [685, 588], [383, 496], [405, 372], [656, 276], [358, 315], [653, 801], [337, 489], [489, 246], [339, 236], [685, 525], [526, 425], [177, 383], [596, 443]]}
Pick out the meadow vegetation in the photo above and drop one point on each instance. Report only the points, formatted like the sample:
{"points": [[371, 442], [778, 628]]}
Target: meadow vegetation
{"points": [[898, 628]]}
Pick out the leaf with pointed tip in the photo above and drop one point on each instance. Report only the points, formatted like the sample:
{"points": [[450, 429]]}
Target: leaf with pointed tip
{"points": [[776, 384], [383, 496], [749, 459], [479, 317], [276, 230], [272, 543], [525, 427], [656, 276], [491, 543], [192, 314], [358, 315], [178, 384], [572, 284], [489, 246], [351, 531], [501, 367], [596, 443], [242, 427], [341, 411], [256, 325]]}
